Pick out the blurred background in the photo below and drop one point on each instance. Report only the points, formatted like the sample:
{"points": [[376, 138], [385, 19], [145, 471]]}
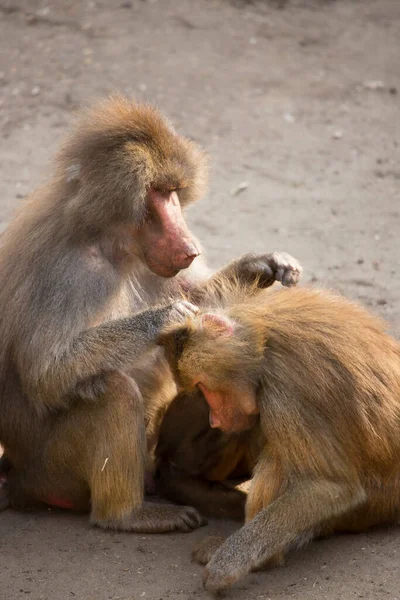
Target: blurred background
{"points": [[298, 104]]}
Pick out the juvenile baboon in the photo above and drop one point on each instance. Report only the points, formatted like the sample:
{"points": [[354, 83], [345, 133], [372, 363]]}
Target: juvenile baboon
{"points": [[92, 251], [318, 379], [196, 464]]}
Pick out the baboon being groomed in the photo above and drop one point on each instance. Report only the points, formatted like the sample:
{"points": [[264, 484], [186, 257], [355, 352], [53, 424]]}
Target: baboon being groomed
{"points": [[316, 377]]}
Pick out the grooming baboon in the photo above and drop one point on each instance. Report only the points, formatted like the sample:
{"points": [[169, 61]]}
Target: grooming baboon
{"points": [[319, 379], [98, 245]]}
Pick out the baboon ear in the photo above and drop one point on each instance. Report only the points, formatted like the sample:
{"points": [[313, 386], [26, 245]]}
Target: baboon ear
{"points": [[217, 323], [173, 341]]}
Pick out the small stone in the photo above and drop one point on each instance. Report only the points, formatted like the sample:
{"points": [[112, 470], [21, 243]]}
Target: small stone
{"points": [[142, 87], [253, 41], [35, 91], [239, 188], [31, 19], [68, 99], [374, 85], [338, 134], [43, 12], [289, 117]]}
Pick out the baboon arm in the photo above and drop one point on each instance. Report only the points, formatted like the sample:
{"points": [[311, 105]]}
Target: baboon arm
{"points": [[97, 351], [289, 521], [250, 270], [266, 485]]}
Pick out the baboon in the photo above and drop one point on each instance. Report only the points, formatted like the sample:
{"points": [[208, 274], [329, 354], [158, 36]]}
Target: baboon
{"points": [[89, 272], [198, 465], [318, 378], [194, 463]]}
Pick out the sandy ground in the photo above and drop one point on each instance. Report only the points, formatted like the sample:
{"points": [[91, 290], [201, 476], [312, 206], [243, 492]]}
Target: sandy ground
{"points": [[302, 104]]}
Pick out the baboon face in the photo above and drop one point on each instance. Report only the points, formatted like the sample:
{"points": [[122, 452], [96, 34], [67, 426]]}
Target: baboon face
{"points": [[231, 409], [165, 241], [207, 353], [128, 175]]}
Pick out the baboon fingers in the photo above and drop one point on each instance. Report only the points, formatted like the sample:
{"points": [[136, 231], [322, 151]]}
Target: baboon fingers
{"points": [[191, 519], [203, 550], [156, 518], [264, 269], [181, 310], [287, 269], [226, 567]]}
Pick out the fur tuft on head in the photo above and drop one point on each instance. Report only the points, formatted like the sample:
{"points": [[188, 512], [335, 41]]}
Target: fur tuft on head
{"points": [[118, 150], [212, 346]]}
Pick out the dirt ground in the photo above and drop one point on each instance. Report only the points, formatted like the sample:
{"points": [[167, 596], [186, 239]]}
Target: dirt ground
{"points": [[303, 105]]}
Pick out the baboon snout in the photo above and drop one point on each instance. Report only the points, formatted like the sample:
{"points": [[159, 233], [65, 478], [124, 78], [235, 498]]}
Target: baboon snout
{"points": [[167, 243]]}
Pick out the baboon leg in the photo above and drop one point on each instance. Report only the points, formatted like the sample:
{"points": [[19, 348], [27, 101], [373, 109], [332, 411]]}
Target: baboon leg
{"points": [[265, 487], [110, 471], [290, 521], [382, 507], [117, 469]]}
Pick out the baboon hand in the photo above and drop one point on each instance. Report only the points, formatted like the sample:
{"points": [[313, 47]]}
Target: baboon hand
{"points": [[227, 565], [203, 550], [267, 268], [180, 310]]}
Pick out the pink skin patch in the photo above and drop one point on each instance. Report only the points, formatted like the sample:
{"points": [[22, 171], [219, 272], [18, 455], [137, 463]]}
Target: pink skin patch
{"points": [[58, 502], [167, 243], [230, 412], [221, 324]]}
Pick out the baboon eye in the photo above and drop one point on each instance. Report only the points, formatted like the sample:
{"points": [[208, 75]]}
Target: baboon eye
{"points": [[166, 190]]}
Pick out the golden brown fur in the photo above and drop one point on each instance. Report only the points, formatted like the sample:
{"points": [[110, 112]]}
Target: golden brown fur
{"points": [[325, 379], [195, 464]]}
